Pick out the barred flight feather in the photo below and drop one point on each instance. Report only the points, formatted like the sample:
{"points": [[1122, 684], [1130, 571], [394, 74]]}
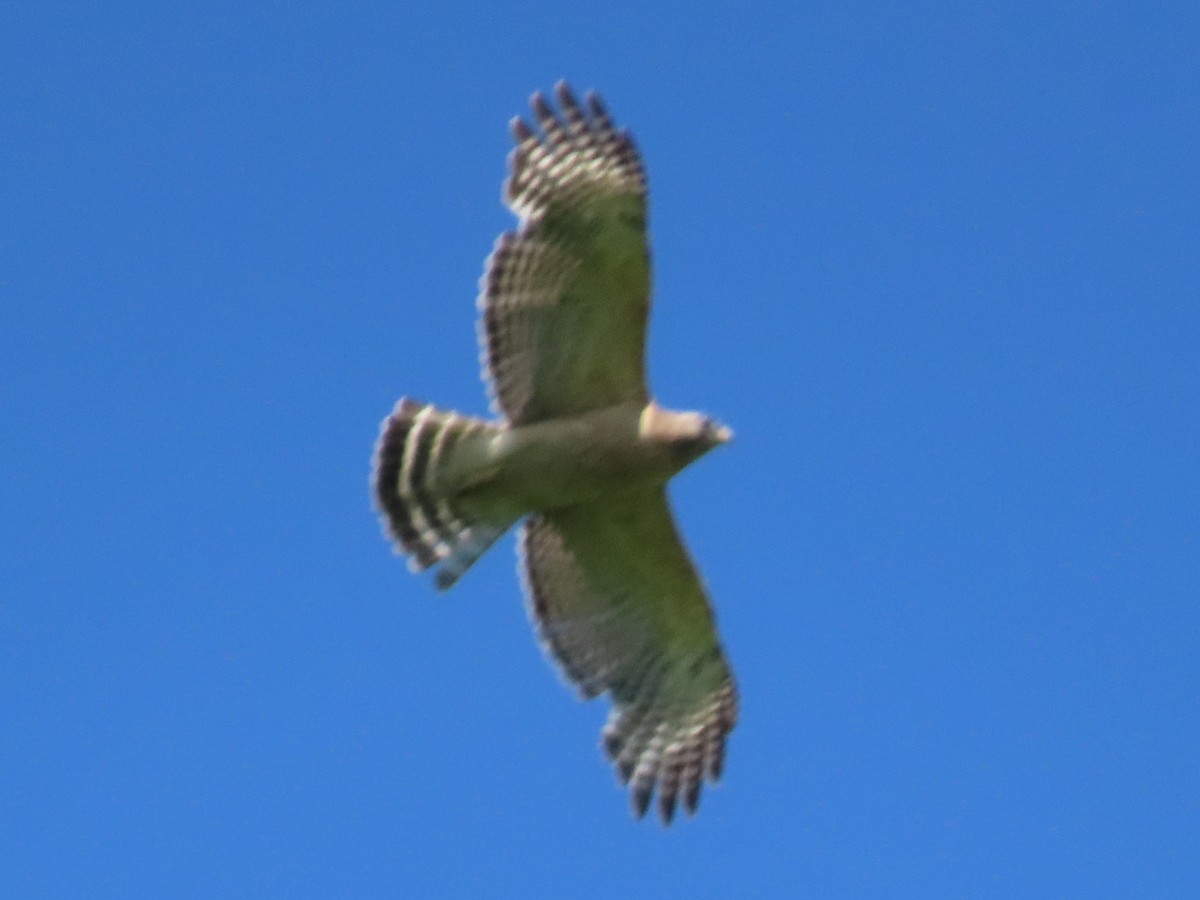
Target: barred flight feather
{"points": [[523, 280], [570, 161], [671, 713], [563, 299]]}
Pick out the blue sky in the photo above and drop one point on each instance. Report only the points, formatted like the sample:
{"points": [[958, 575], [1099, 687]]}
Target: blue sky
{"points": [[935, 263]]}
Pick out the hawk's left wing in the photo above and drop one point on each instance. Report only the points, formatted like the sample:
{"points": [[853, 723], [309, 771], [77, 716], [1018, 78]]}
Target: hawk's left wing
{"points": [[565, 298], [619, 605]]}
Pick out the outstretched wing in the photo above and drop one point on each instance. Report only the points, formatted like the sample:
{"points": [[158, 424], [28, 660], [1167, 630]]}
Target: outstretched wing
{"points": [[564, 298], [619, 605]]}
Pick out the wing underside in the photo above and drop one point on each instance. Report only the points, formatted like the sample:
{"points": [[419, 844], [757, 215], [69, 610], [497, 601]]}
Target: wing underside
{"points": [[564, 298], [618, 604]]}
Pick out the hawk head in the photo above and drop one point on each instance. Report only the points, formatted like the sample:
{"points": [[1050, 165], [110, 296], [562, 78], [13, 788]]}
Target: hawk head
{"points": [[687, 435]]}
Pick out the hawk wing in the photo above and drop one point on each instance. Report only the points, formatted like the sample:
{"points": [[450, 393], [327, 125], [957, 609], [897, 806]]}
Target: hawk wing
{"points": [[564, 298], [618, 604]]}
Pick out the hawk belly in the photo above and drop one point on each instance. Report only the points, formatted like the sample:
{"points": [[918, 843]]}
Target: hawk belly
{"points": [[563, 462]]}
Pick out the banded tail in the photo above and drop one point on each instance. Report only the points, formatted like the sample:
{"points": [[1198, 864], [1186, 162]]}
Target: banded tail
{"points": [[416, 443]]}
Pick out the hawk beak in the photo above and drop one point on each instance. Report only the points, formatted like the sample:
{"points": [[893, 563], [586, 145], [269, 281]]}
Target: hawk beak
{"points": [[724, 434]]}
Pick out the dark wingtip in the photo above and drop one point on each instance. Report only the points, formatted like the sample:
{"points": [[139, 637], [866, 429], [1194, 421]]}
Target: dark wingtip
{"points": [[611, 742], [716, 764], [542, 108], [666, 807], [639, 798], [563, 92], [519, 129], [625, 770], [597, 111]]}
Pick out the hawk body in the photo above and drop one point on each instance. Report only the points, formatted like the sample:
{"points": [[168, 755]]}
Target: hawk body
{"points": [[580, 452]]}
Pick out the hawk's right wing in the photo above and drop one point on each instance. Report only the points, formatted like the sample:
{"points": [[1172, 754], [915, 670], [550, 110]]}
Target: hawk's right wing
{"points": [[565, 297], [617, 602]]}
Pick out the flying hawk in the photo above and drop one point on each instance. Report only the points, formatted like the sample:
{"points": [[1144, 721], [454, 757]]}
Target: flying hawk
{"points": [[582, 453]]}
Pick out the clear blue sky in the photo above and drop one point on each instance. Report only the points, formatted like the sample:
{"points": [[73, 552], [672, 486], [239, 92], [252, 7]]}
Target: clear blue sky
{"points": [[936, 263]]}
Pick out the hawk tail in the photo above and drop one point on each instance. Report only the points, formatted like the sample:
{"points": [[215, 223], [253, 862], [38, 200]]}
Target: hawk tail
{"points": [[417, 443]]}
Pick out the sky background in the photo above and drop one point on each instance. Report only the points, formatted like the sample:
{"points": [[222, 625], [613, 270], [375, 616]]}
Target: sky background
{"points": [[936, 263]]}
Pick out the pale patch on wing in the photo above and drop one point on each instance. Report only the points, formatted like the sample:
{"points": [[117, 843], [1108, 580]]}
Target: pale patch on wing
{"points": [[618, 604]]}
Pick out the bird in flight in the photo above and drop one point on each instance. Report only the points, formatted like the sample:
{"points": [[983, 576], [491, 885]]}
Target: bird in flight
{"points": [[581, 453]]}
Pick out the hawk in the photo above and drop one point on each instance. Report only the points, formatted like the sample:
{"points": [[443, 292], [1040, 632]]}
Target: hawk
{"points": [[581, 452]]}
